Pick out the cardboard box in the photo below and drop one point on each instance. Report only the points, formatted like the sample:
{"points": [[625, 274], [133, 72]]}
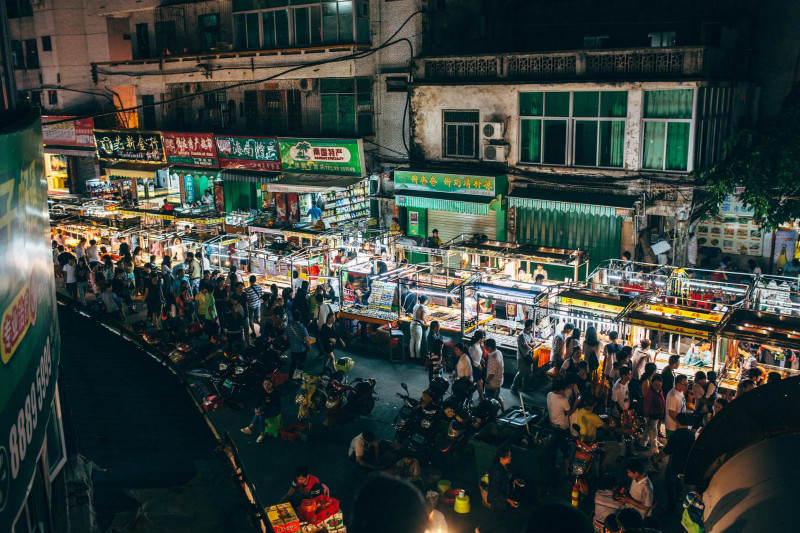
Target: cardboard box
{"points": [[283, 518]]}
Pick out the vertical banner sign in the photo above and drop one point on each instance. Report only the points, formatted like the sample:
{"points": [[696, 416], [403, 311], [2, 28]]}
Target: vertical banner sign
{"points": [[29, 338], [219, 196], [182, 188]]}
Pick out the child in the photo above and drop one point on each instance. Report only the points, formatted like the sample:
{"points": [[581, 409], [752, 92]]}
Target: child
{"points": [[435, 359]]}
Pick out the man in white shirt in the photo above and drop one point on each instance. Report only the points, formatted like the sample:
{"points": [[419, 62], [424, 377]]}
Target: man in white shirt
{"points": [[676, 403], [620, 395], [640, 495], [418, 318], [359, 446], [494, 371], [207, 199], [80, 249], [559, 410], [641, 356], [71, 278], [92, 252]]}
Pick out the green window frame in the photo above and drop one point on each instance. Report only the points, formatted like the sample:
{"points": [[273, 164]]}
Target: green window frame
{"points": [[460, 133], [667, 129], [579, 128], [346, 106]]}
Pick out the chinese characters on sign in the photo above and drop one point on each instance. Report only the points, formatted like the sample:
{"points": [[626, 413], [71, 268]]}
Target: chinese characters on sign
{"points": [[73, 133], [733, 235], [129, 145], [732, 205], [249, 153], [343, 157], [194, 149], [406, 180]]}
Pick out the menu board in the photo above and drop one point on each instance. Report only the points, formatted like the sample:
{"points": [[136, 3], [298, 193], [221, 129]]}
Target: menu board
{"points": [[382, 294], [733, 235]]}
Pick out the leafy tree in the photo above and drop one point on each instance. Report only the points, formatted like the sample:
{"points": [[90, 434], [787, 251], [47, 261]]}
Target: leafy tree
{"points": [[766, 164]]}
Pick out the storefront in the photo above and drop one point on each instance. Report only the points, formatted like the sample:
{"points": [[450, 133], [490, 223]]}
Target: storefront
{"points": [[552, 218], [323, 184], [195, 166], [193, 184], [135, 160], [248, 164], [454, 204], [69, 154]]}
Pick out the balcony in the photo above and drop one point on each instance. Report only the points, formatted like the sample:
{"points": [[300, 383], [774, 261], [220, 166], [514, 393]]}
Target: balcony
{"points": [[637, 63]]}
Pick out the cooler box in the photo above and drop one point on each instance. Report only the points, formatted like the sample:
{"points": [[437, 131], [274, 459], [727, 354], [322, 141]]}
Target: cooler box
{"points": [[317, 510], [283, 518]]}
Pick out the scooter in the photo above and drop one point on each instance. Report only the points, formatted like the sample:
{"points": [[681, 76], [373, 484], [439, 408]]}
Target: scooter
{"points": [[311, 397], [582, 462], [361, 396], [406, 416]]}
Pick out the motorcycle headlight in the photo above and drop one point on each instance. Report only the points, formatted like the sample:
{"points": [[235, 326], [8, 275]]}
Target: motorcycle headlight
{"points": [[239, 370], [300, 399], [223, 367], [330, 403], [425, 423], [452, 432], [401, 423], [578, 470]]}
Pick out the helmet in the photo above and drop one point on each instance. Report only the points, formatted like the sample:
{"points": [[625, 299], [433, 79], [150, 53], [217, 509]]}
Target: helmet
{"points": [[462, 387], [438, 387], [487, 408], [345, 364]]}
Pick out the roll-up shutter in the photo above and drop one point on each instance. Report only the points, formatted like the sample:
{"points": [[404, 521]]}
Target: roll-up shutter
{"points": [[451, 225]]}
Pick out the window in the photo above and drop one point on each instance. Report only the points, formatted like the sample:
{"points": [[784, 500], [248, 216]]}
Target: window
{"points": [[251, 110], [713, 124], [461, 133], [585, 128], [166, 37], [142, 41], [52, 97], [594, 41], [214, 99], [18, 8], [660, 39], [17, 55], [667, 124], [149, 111], [209, 31], [31, 54], [47, 44], [346, 106]]}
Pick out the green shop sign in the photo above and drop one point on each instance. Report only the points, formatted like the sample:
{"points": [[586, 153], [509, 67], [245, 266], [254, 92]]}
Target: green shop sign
{"points": [[30, 345], [343, 157], [248, 153], [411, 180]]}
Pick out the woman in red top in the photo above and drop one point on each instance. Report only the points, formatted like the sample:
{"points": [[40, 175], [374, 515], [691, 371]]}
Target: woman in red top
{"points": [[654, 409], [184, 303]]}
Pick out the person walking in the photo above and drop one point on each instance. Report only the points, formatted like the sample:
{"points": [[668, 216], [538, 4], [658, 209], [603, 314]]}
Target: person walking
{"points": [[154, 299], [494, 371], [559, 346], [330, 336], [476, 354], [419, 316], [299, 342], [195, 272], [654, 409], [678, 447], [676, 403], [253, 295], [82, 274], [525, 345], [70, 275], [501, 491]]}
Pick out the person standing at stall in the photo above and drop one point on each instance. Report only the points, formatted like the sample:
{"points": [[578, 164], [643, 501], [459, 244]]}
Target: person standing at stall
{"points": [[419, 316], [476, 354], [195, 272], [559, 347], [494, 371], [525, 345], [434, 241]]}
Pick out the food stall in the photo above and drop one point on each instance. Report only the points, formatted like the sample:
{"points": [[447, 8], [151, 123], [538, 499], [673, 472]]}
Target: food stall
{"points": [[628, 277], [221, 251], [774, 339]]}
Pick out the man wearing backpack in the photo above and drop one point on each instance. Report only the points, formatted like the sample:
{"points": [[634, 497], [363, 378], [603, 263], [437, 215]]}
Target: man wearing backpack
{"points": [[253, 294]]}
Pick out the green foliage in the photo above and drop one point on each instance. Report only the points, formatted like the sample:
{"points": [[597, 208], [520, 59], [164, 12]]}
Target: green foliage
{"points": [[766, 164]]}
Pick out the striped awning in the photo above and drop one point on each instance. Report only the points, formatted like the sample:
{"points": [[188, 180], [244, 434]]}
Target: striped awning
{"points": [[252, 176], [569, 207], [572, 201], [441, 204]]}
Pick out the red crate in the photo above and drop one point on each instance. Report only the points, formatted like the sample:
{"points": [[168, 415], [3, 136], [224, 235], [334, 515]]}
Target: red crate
{"points": [[292, 431], [317, 510]]}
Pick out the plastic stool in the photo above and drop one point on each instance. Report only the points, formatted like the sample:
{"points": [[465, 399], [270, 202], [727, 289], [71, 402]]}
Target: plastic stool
{"points": [[443, 486], [272, 426], [462, 504]]}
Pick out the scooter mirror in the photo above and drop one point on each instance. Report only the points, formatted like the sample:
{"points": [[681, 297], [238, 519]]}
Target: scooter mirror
{"points": [[405, 387]]}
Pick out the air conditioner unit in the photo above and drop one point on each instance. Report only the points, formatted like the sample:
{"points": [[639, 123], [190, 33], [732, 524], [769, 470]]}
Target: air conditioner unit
{"points": [[307, 84], [492, 130], [495, 152]]}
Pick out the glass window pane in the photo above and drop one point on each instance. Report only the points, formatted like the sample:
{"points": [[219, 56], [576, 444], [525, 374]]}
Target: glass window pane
{"points": [[584, 104], [612, 143], [330, 32], [252, 30], [268, 22], [668, 104], [450, 139], [329, 113], [282, 27], [365, 124], [614, 103], [345, 22], [362, 23], [316, 28], [531, 143], [677, 146], [555, 141], [466, 141], [654, 133], [530, 104], [586, 143], [347, 114], [301, 31], [556, 104], [241, 32]]}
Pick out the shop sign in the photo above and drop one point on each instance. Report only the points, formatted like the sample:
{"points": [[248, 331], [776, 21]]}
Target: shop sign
{"points": [[409, 180], [193, 149], [76, 132], [685, 313], [249, 153], [29, 338], [591, 305], [733, 205], [159, 216], [733, 235], [343, 157], [186, 188], [129, 145], [669, 328], [219, 196]]}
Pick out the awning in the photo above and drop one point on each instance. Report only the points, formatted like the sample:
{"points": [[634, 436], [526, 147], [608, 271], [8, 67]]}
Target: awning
{"points": [[594, 301], [760, 327], [455, 203], [134, 170], [306, 183], [572, 201], [249, 176], [73, 151], [689, 328]]}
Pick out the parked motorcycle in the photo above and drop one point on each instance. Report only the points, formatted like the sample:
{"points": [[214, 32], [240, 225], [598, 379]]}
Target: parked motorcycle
{"points": [[405, 418], [311, 397], [582, 461], [357, 399]]}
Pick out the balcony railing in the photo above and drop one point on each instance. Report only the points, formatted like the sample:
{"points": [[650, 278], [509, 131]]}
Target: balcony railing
{"points": [[680, 62]]}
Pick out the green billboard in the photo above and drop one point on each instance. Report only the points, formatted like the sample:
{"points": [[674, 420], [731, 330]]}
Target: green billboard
{"points": [[29, 337], [340, 157]]}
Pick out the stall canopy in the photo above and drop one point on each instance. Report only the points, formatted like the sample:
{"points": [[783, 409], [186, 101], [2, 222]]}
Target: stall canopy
{"points": [[249, 176], [134, 170], [308, 183], [455, 203], [763, 328]]}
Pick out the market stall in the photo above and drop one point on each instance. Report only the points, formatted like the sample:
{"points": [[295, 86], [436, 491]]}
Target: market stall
{"points": [[629, 277]]}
